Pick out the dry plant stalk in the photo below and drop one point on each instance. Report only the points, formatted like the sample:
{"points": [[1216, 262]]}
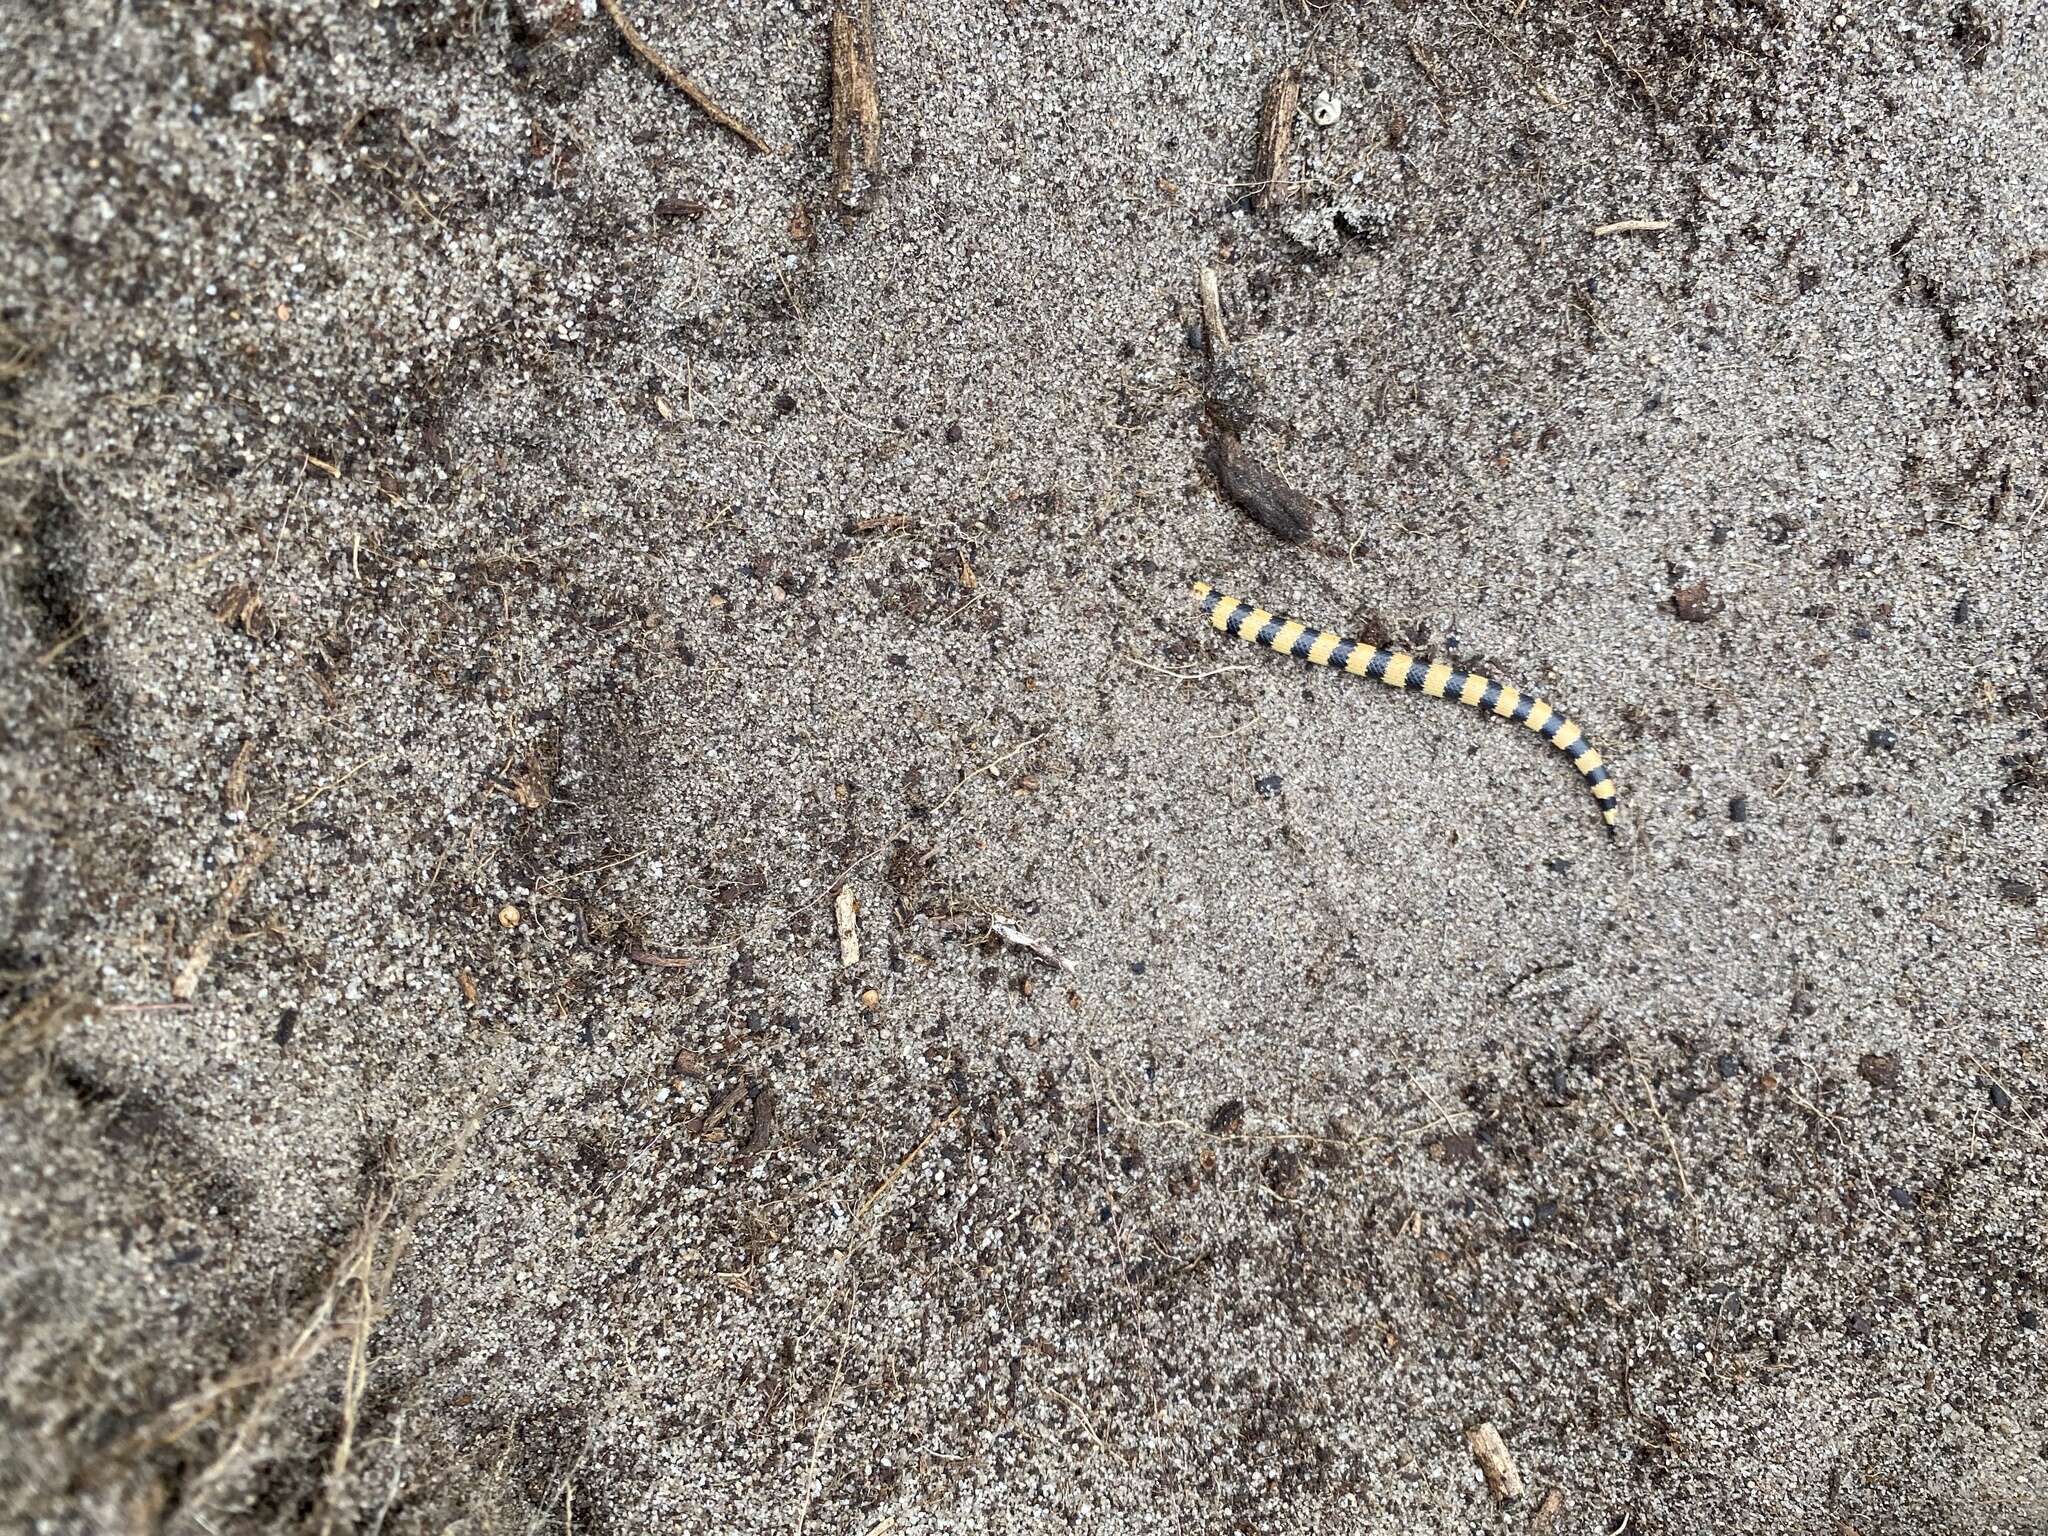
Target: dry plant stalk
{"points": [[856, 108], [347, 1308], [251, 1390], [39, 1021], [1272, 171], [234, 793], [186, 984], [17, 353], [17, 356], [699, 97]]}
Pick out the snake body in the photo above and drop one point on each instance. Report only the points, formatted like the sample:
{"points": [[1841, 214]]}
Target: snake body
{"points": [[1397, 669]]}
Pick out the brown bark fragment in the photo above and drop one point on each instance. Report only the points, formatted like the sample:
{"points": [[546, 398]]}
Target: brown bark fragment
{"points": [[1272, 173], [856, 108]]}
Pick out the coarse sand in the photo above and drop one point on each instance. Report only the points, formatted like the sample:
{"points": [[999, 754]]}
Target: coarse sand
{"points": [[487, 559]]}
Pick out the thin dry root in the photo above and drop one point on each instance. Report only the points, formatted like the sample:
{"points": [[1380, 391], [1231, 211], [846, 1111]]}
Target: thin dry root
{"points": [[186, 984], [39, 1021], [699, 97], [346, 1309]]}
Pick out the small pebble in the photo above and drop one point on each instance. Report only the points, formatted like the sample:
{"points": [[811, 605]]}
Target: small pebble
{"points": [[2000, 1099], [508, 916], [1738, 808], [1727, 1065], [870, 999], [1882, 740], [1269, 786], [2028, 1319], [1326, 110]]}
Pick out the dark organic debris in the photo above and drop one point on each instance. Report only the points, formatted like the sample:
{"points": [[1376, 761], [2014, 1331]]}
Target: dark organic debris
{"points": [[1879, 1071], [241, 607], [762, 1135], [1695, 604], [1267, 499]]}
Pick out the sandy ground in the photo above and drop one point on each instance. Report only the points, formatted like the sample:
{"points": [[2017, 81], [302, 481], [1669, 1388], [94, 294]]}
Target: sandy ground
{"points": [[487, 558]]}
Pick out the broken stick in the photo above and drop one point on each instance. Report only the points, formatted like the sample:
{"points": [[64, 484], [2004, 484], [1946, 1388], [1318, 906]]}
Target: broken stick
{"points": [[1503, 1479], [846, 909], [699, 97], [1272, 173], [1215, 339], [856, 107]]}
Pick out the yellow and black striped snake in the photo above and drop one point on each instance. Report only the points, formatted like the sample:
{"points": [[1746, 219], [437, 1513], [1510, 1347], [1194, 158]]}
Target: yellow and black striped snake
{"points": [[1397, 669]]}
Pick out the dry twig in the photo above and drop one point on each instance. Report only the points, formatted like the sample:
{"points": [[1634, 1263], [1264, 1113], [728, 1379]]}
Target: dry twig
{"points": [[189, 974], [1002, 928], [699, 97], [846, 910], [1503, 1479], [856, 107], [1215, 339]]}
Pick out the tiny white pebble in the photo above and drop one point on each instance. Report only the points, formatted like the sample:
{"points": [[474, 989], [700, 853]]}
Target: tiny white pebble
{"points": [[1325, 110]]}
